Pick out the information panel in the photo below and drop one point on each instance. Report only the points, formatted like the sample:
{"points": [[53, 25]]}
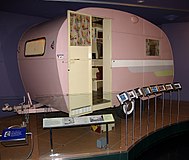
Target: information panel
{"points": [[77, 121]]}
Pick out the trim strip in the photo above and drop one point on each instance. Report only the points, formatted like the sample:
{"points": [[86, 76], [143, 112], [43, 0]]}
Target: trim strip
{"points": [[141, 63]]}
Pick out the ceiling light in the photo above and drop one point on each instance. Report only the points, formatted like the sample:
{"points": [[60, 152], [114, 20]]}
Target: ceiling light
{"points": [[171, 17], [140, 1]]}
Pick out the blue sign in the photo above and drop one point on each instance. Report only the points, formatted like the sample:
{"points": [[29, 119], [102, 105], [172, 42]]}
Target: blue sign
{"points": [[13, 134]]}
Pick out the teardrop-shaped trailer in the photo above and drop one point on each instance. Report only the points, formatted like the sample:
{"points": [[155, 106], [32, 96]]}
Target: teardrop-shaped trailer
{"points": [[77, 64]]}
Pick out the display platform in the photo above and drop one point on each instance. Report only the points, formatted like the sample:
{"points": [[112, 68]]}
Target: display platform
{"points": [[76, 141]]}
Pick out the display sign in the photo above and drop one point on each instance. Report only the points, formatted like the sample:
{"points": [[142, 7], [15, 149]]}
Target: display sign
{"points": [[161, 88], [154, 89], [13, 134], [131, 94], [138, 92], [123, 97], [146, 91], [168, 87], [177, 86]]}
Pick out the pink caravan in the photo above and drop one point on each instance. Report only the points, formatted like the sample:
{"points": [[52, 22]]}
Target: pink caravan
{"points": [[77, 64]]}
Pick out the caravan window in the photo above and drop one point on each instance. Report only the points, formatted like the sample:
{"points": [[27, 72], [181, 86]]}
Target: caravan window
{"points": [[35, 47], [152, 47]]}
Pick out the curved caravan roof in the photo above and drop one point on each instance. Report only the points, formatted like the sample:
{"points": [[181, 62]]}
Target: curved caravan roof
{"points": [[57, 72]]}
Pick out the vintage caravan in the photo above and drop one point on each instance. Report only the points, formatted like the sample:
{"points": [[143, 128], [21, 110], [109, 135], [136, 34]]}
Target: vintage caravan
{"points": [[77, 64]]}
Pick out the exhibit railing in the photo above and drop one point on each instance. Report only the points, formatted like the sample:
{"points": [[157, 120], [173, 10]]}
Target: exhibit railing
{"points": [[155, 109]]}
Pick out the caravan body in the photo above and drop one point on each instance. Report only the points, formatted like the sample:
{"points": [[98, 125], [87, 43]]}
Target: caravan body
{"points": [[77, 64]]}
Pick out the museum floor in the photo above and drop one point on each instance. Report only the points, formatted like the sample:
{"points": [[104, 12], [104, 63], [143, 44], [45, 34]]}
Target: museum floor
{"points": [[82, 141]]}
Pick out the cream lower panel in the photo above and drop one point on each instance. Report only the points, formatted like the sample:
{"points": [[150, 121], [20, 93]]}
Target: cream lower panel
{"points": [[80, 87], [102, 106], [80, 77], [80, 104]]}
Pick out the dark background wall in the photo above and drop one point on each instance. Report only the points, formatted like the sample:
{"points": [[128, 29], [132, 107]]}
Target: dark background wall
{"points": [[178, 34], [13, 25]]}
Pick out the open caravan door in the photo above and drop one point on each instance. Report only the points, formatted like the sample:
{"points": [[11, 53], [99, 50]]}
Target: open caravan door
{"points": [[79, 63], [86, 71]]}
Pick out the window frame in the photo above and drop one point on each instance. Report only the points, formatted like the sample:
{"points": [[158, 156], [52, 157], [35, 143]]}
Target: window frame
{"points": [[32, 40]]}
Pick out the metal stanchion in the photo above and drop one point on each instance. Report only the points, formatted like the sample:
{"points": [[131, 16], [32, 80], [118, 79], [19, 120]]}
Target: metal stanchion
{"points": [[140, 117], [107, 137], [169, 89], [51, 142], [177, 87], [148, 118], [133, 126], [170, 107], [126, 128], [155, 112], [163, 106], [132, 110], [123, 97], [178, 105], [147, 92]]}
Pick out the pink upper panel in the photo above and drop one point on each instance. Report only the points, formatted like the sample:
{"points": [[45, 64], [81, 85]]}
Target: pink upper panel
{"points": [[129, 33]]}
